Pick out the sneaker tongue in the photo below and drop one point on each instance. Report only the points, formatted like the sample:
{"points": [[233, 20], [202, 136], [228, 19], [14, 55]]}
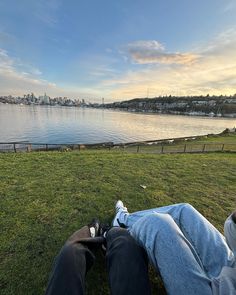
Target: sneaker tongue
{"points": [[92, 232]]}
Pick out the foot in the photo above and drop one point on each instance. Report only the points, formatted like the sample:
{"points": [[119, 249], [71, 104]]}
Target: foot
{"points": [[88, 234], [104, 228], [94, 228], [120, 209]]}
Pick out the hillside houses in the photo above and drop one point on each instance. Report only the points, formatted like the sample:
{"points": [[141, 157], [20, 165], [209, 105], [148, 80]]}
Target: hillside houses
{"points": [[224, 106]]}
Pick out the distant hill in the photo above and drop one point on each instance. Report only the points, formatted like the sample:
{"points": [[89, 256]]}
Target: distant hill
{"points": [[220, 106]]}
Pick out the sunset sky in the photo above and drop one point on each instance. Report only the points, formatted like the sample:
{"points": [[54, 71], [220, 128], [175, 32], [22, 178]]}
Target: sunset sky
{"points": [[117, 49]]}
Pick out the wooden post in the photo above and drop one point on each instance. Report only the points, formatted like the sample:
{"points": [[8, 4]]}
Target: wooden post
{"points": [[46, 147], [162, 149], [204, 147], [29, 146], [185, 147], [223, 145], [137, 148], [14, 146]]}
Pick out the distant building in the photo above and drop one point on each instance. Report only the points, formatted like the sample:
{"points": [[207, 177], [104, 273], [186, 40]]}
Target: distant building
{"points": [[44, 99]]}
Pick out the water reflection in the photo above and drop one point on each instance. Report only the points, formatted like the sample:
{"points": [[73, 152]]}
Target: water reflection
{"points": [[75, 125]]}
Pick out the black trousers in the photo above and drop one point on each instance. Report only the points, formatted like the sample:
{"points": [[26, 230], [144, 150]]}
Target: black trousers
{"points": [[126, 263]]}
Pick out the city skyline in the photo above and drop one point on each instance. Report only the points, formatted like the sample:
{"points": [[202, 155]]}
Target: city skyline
{"points": [[117, 50]]}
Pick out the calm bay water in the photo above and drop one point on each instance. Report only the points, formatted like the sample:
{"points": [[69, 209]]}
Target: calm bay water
{"points": [[43, 124]]}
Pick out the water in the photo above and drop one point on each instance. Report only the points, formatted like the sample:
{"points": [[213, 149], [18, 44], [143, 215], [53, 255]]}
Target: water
{"points": [[44, 124]]}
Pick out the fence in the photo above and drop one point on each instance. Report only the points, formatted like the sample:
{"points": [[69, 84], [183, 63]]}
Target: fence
{"points": [[183, 148], [25, 146], [145, 147]]}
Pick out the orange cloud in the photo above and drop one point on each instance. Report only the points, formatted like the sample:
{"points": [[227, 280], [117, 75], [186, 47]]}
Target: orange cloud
{"points": [[153, 52], [210, 68]]}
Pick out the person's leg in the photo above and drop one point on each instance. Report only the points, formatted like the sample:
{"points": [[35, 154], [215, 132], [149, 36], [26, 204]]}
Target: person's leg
{"points": [[172, 255], [128, 219], [127, 264], [208, 242], [70, 268], [73, 262], [204, 237]]}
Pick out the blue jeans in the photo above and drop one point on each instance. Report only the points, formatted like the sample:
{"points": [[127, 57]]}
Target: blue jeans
{"points": [[186, 249]]}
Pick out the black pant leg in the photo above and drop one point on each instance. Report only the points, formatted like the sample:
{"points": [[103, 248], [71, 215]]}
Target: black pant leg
{"points": [[127, 264], [70, 268]]}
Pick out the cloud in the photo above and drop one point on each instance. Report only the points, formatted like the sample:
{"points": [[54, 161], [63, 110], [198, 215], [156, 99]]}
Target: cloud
{"points": [[13, 65], [153, 52], [5, 62], [207, 68], [222, 43], [18, 78], [231, 5], [213, 72]]}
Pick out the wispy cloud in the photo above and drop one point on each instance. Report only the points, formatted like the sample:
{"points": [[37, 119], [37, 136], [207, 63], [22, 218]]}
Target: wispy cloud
{"points": [[153, 52], [9, 64], [213, 71], [5, 62], [231, 5], [207, 68], [17, 77]]}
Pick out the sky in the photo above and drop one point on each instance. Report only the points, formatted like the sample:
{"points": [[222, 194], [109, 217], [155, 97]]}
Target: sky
{"points": [[117, 50]]}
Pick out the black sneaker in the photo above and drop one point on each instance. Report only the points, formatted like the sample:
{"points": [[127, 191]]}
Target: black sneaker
{"points": [[104, 228], [94, 234]]}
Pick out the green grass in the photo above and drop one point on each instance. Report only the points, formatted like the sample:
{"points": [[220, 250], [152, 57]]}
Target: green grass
{"points": [[209, 143], [222, 138], [46, 196]]}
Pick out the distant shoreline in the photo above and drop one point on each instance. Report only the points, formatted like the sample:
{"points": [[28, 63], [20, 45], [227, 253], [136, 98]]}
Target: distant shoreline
{"points": [[207, 106], [136, 111], [150, 112]]}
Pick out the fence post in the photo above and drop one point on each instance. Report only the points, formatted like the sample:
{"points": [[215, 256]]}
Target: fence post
{"points": [[162, 149], [204, 147], [29, 148], [14, 146], [185, 147], [46, 147], [137, 148], [223, 145]]}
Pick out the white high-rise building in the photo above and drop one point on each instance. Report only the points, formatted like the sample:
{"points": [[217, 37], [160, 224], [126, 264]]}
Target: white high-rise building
{"points": [[44, 98]]}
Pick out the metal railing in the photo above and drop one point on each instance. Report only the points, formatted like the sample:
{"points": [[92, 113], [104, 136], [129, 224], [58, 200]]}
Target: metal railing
{"points": [[24, 146], [137, 147], [182, 148]]}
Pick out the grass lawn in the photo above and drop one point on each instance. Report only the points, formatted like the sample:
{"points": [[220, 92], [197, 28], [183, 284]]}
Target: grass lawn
{"points": [[208, 143], [45, 196]]}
